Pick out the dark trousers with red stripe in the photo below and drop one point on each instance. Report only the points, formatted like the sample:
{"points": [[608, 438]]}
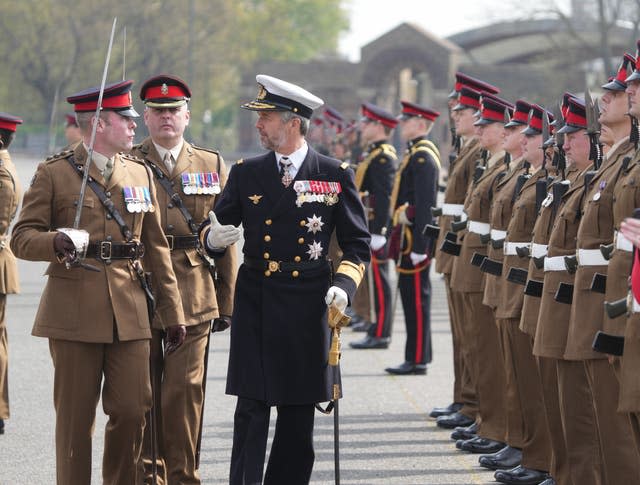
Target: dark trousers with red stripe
{"points": [[381, 328], [415, 291]]}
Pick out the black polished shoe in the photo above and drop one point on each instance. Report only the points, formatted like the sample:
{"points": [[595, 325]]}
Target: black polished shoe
{"points": [[360, 325], [548, 481], [454, 420], [520, 476], [407, 368], [505, 459], [370, 342], [465, 433], [454, 407], [1, 426], [481, 445]]}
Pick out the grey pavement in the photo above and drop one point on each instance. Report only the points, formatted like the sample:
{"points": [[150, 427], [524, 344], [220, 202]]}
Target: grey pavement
{"points": [[386, 436]]}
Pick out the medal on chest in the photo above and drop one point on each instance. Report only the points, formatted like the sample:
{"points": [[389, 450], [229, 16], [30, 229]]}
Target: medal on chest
{"points": [[198, 183], [137, 199], [601, 187], [316, 191]]}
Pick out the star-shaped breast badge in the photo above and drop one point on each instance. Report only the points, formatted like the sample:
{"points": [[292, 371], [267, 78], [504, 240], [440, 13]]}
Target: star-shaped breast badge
{"points": [[315, 250], [314, 224]]}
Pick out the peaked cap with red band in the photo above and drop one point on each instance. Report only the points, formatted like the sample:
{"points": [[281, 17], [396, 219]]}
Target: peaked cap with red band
{"points": [[9, 122], [635, 75], [165, 91], [116, 97], [410, 110], [376, 113], [534, 126], [492, 109], [469, 98], [334, 118], [575, 118], [520, 114], [619, 82], [463, 80]]}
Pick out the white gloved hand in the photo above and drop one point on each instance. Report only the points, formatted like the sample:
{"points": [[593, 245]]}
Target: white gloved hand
{"points": [[337, 297], [377, 241], [403, 219], [220, 236], [417, 258]]}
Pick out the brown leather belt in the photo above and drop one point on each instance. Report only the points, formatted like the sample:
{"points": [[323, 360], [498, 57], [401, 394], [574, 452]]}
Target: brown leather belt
{"points": [[182, 242], [273, 266], [107, 250]]}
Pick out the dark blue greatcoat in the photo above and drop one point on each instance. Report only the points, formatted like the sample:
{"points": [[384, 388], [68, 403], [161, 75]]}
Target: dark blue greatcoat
{"points": [[279, 333]]}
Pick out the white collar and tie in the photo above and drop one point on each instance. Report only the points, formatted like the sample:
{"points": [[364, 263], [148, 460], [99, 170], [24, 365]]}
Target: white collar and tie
{"points": [[169, 157], [288, 165]]}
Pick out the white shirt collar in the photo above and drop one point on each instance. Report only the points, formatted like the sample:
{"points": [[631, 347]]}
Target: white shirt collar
{"points": [[175, 151], [296, 158]]}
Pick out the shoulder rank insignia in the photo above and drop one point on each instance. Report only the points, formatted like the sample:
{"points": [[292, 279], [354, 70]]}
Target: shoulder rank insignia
{"points": [[344, 165], [240, 162], [255, 198]]}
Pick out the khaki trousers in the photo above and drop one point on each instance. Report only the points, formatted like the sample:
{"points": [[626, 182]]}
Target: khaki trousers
{"points": [[483, 339], [579, 424], [4, 361], [461, 379], [619, 455], [559, 469], [81, 371], [179, 391]]}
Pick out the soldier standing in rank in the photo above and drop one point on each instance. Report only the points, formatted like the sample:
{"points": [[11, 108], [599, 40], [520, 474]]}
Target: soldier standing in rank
{"points": [[279, 335], [460, 176], [97, 322], [374, 180], [10, 194], [188, 180], [72, 132], [414, 195]]}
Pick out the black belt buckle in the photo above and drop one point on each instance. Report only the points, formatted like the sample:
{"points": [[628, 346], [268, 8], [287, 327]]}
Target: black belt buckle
{"points": [[105, 250], [170, 240]]}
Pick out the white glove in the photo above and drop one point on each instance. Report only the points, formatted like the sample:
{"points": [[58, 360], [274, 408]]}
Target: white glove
{"points": [[337, 297], [402, 218], [417, 258], [221, 236], [377, 241]]}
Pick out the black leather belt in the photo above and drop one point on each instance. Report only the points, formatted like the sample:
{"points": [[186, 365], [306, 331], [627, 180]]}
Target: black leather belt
{"points": [[182, 242], [106, 250], [274, 266]]}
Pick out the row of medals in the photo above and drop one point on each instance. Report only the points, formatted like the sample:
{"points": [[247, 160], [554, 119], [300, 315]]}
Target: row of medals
{"points": [[200, 183]]}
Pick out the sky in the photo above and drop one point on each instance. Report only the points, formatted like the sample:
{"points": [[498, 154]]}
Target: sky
{"points": [[372, 18]]}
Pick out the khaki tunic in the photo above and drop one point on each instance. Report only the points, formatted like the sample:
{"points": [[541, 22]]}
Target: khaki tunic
{"points": [[520, 229], [464, 276], [541, 234], [10, 194], [553, 319], [200, 300], [82, 305], [596, 228], [626, 197], [501, 210], [460, 177]]}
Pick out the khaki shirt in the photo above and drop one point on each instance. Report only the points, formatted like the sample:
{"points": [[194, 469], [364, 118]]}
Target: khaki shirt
{"points": [[10, 194]]}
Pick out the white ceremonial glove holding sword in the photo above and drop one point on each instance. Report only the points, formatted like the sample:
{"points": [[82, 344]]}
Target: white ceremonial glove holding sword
{"points": [[220, 236], [337, 297], [377, 241]]}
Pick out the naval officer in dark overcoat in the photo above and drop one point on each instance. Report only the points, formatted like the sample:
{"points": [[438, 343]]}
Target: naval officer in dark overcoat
{"points": [[289, 201]]}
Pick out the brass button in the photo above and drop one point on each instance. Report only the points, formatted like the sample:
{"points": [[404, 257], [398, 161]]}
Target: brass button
{"points": [[268, 222], [295, 274], [297, 259], [267, 238], [301, 240], [267, 273], [266, 255], [303, 223]]}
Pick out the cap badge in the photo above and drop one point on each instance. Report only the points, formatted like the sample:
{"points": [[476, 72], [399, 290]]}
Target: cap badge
{"points": [[164, 89], [262, 93]]}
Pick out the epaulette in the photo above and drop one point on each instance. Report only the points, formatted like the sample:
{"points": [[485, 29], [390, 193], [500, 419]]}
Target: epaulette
{"points": [[59, 156], [240, 162], [132, 158], [210, 150], [141, 147], [389, 150], [344, 165]]}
